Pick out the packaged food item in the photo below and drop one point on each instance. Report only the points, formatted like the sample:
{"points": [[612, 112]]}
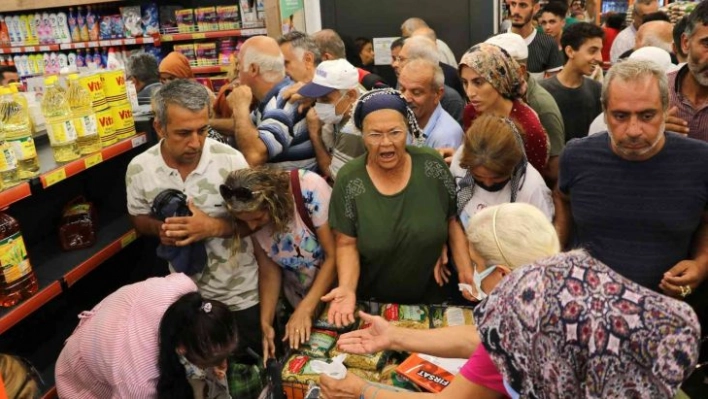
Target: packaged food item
{"points": [[368, 375], [429, 372], [451, 316], [132, 21], [370, 362], [78, 225], [151, 23], [228, 17], [407, 316], [321, 341], [206, 54], [322, 323], [185, 20], [390, 377], [206, 18], [187, 50], [298, 369]]}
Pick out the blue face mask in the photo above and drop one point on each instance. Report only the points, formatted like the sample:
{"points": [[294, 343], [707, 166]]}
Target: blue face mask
{"points": [[478, 277]]}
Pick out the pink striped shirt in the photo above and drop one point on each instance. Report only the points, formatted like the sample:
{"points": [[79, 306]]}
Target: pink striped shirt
{"points": [[113, 352]]}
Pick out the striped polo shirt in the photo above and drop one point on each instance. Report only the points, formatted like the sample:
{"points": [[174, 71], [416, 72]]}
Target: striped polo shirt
{"points": [[544, 56], [697, 117]]}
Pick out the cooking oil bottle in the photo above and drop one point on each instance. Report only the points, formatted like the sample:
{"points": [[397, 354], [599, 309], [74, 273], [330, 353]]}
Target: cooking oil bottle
{"points": [[84, 118], [8, 165], [60, 126], [17, 280], [18, 133]]}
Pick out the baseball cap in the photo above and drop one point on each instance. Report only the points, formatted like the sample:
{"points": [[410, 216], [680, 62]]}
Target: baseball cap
{"points": [[512, 44], [329, 76]]}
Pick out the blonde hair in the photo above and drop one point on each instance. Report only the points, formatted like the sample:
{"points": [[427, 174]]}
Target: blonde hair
{"points": [[512, 234], [18, 378], [274, 195], [491, 142]]}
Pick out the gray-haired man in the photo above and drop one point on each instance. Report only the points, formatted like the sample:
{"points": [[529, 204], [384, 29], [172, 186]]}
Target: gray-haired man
{"points": [[186, 160]]}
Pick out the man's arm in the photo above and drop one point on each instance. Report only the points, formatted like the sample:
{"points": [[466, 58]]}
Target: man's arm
{"points": [[146, 225], [314, 126], [225, 126], [247, 136], [563, 221]]}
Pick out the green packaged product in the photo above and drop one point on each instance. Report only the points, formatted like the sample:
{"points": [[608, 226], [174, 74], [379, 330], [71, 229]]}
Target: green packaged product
{"points": [[297, 369], [406, 316], [372, 362], [451, 316], [321, 341]]}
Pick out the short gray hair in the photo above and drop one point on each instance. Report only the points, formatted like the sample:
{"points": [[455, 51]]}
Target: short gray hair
{"points": [[438, 80], [185, 93], [329, 41], [632, 70], [300, 43], [143, 67], [270, 67], [422, 47], [412, 24]]}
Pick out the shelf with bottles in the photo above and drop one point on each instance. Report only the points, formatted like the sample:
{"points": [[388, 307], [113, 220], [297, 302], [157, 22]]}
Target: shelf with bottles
{"points": [[57, 270], [176, 36], [22, 5]]}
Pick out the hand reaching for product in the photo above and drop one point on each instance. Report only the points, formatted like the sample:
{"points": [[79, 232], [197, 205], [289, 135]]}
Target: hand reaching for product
{"points": [[298, 329], [369, 340], [341, 309]]}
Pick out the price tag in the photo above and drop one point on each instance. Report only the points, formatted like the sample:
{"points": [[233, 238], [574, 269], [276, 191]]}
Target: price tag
{"points": [[128, 238], [116, 42], [43, 48], [199, 36], [167, 38], [55, 177], [129, 41], [94, 159], [78, 45], [104, 43], [93, 44], [140, 140]]}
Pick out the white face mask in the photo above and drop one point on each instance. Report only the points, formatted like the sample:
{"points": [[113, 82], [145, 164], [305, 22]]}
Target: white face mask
{"points": [[328, 113], [478, 277]]}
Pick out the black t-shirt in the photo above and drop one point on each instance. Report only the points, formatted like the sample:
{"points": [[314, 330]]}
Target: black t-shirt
{"points": [[636, 217], [578, 106]]}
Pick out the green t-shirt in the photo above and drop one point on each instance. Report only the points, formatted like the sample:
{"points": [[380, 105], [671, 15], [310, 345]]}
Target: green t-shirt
{"points": [[399, 237]]}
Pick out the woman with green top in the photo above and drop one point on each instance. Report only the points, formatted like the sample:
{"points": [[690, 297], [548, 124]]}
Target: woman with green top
{"points": [[393, 212]]}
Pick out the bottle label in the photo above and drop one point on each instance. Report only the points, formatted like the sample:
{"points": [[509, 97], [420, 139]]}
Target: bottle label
{"points": [[23, 148], [13, 258], [61, 132], [86, 126], [8, 161]]}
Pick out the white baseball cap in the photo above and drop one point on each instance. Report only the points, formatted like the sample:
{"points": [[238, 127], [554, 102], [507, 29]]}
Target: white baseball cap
{"points": [[656, 54], [329, 76], [512, 43]]}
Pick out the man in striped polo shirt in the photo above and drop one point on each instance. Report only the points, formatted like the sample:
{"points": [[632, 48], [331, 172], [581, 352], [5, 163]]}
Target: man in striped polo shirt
{"points": [[635, 196], [544, 57]]}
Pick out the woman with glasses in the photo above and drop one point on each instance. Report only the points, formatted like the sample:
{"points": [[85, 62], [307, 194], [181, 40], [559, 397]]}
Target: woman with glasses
{"points": [[490, 168], [506, 237], [393, 210], [494, 87], [288, 212]]}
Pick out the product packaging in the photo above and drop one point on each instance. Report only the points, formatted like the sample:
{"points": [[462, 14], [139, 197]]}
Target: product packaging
{"points": [[429, 372], [228, 17], [185, 20], [132, 21], [407, 316], [151, 22], [78, 225], [206, 19]]}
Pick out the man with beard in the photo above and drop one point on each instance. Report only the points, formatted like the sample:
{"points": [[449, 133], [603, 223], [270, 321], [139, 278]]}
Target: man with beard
{"points": [[577, 96], [635, 196], [688, 86], [544, 57]]}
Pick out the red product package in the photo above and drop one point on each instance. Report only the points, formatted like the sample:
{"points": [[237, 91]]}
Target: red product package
{"points": [[430, 373]]}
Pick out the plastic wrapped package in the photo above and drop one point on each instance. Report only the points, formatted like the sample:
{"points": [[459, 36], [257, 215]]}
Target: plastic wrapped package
{"points": [[451, 316], [78, 225], [407, 316], [319, 344]]}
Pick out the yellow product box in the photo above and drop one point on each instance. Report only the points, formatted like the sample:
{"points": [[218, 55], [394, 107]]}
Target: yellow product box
{"points": [[123, 121]]}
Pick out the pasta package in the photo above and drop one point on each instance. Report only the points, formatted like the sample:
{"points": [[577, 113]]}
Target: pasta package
{"points": [[321, 341], [407, 316], [372, 362], [430, 373], [368, 375], [322, 323], [451, 316], [390, 377], [298, 369]]}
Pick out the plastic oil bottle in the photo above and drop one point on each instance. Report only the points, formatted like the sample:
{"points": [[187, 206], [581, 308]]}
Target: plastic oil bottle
{"points": [[8, 163], [84, 118], [60, 126], [17, 280], [18, 132]]}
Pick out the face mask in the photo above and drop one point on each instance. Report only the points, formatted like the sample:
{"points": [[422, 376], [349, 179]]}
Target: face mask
{"points": [[327, 112], [478, 277], [494, 187], [193, 372]]}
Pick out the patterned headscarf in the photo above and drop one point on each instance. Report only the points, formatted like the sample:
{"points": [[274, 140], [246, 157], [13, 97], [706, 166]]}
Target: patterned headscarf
{"points": [[496, 66], [466, 185], [570, 327], [387, 98]]}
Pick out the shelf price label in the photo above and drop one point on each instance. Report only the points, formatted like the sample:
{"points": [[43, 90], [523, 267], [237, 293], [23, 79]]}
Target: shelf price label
{"points": [[128, 238], [92, 160], [140, 140], [199, 35], [167, 38], [129, 41], [44, 48], [54, 177]]}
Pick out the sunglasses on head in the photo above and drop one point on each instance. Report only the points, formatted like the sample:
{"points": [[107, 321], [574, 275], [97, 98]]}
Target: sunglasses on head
{"points": [[238, 193]]}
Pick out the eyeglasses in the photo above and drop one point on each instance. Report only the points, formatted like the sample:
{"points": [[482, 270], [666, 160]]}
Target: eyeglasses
{"points": [[377, 137], [238, 193]]}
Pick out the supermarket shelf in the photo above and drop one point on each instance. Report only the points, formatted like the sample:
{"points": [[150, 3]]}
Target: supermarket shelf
{"points": [[14, 194], [110, 42], [52, 173], [24, 5], [28, 49], [54, 267], [210, 69], [177, 37]]}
